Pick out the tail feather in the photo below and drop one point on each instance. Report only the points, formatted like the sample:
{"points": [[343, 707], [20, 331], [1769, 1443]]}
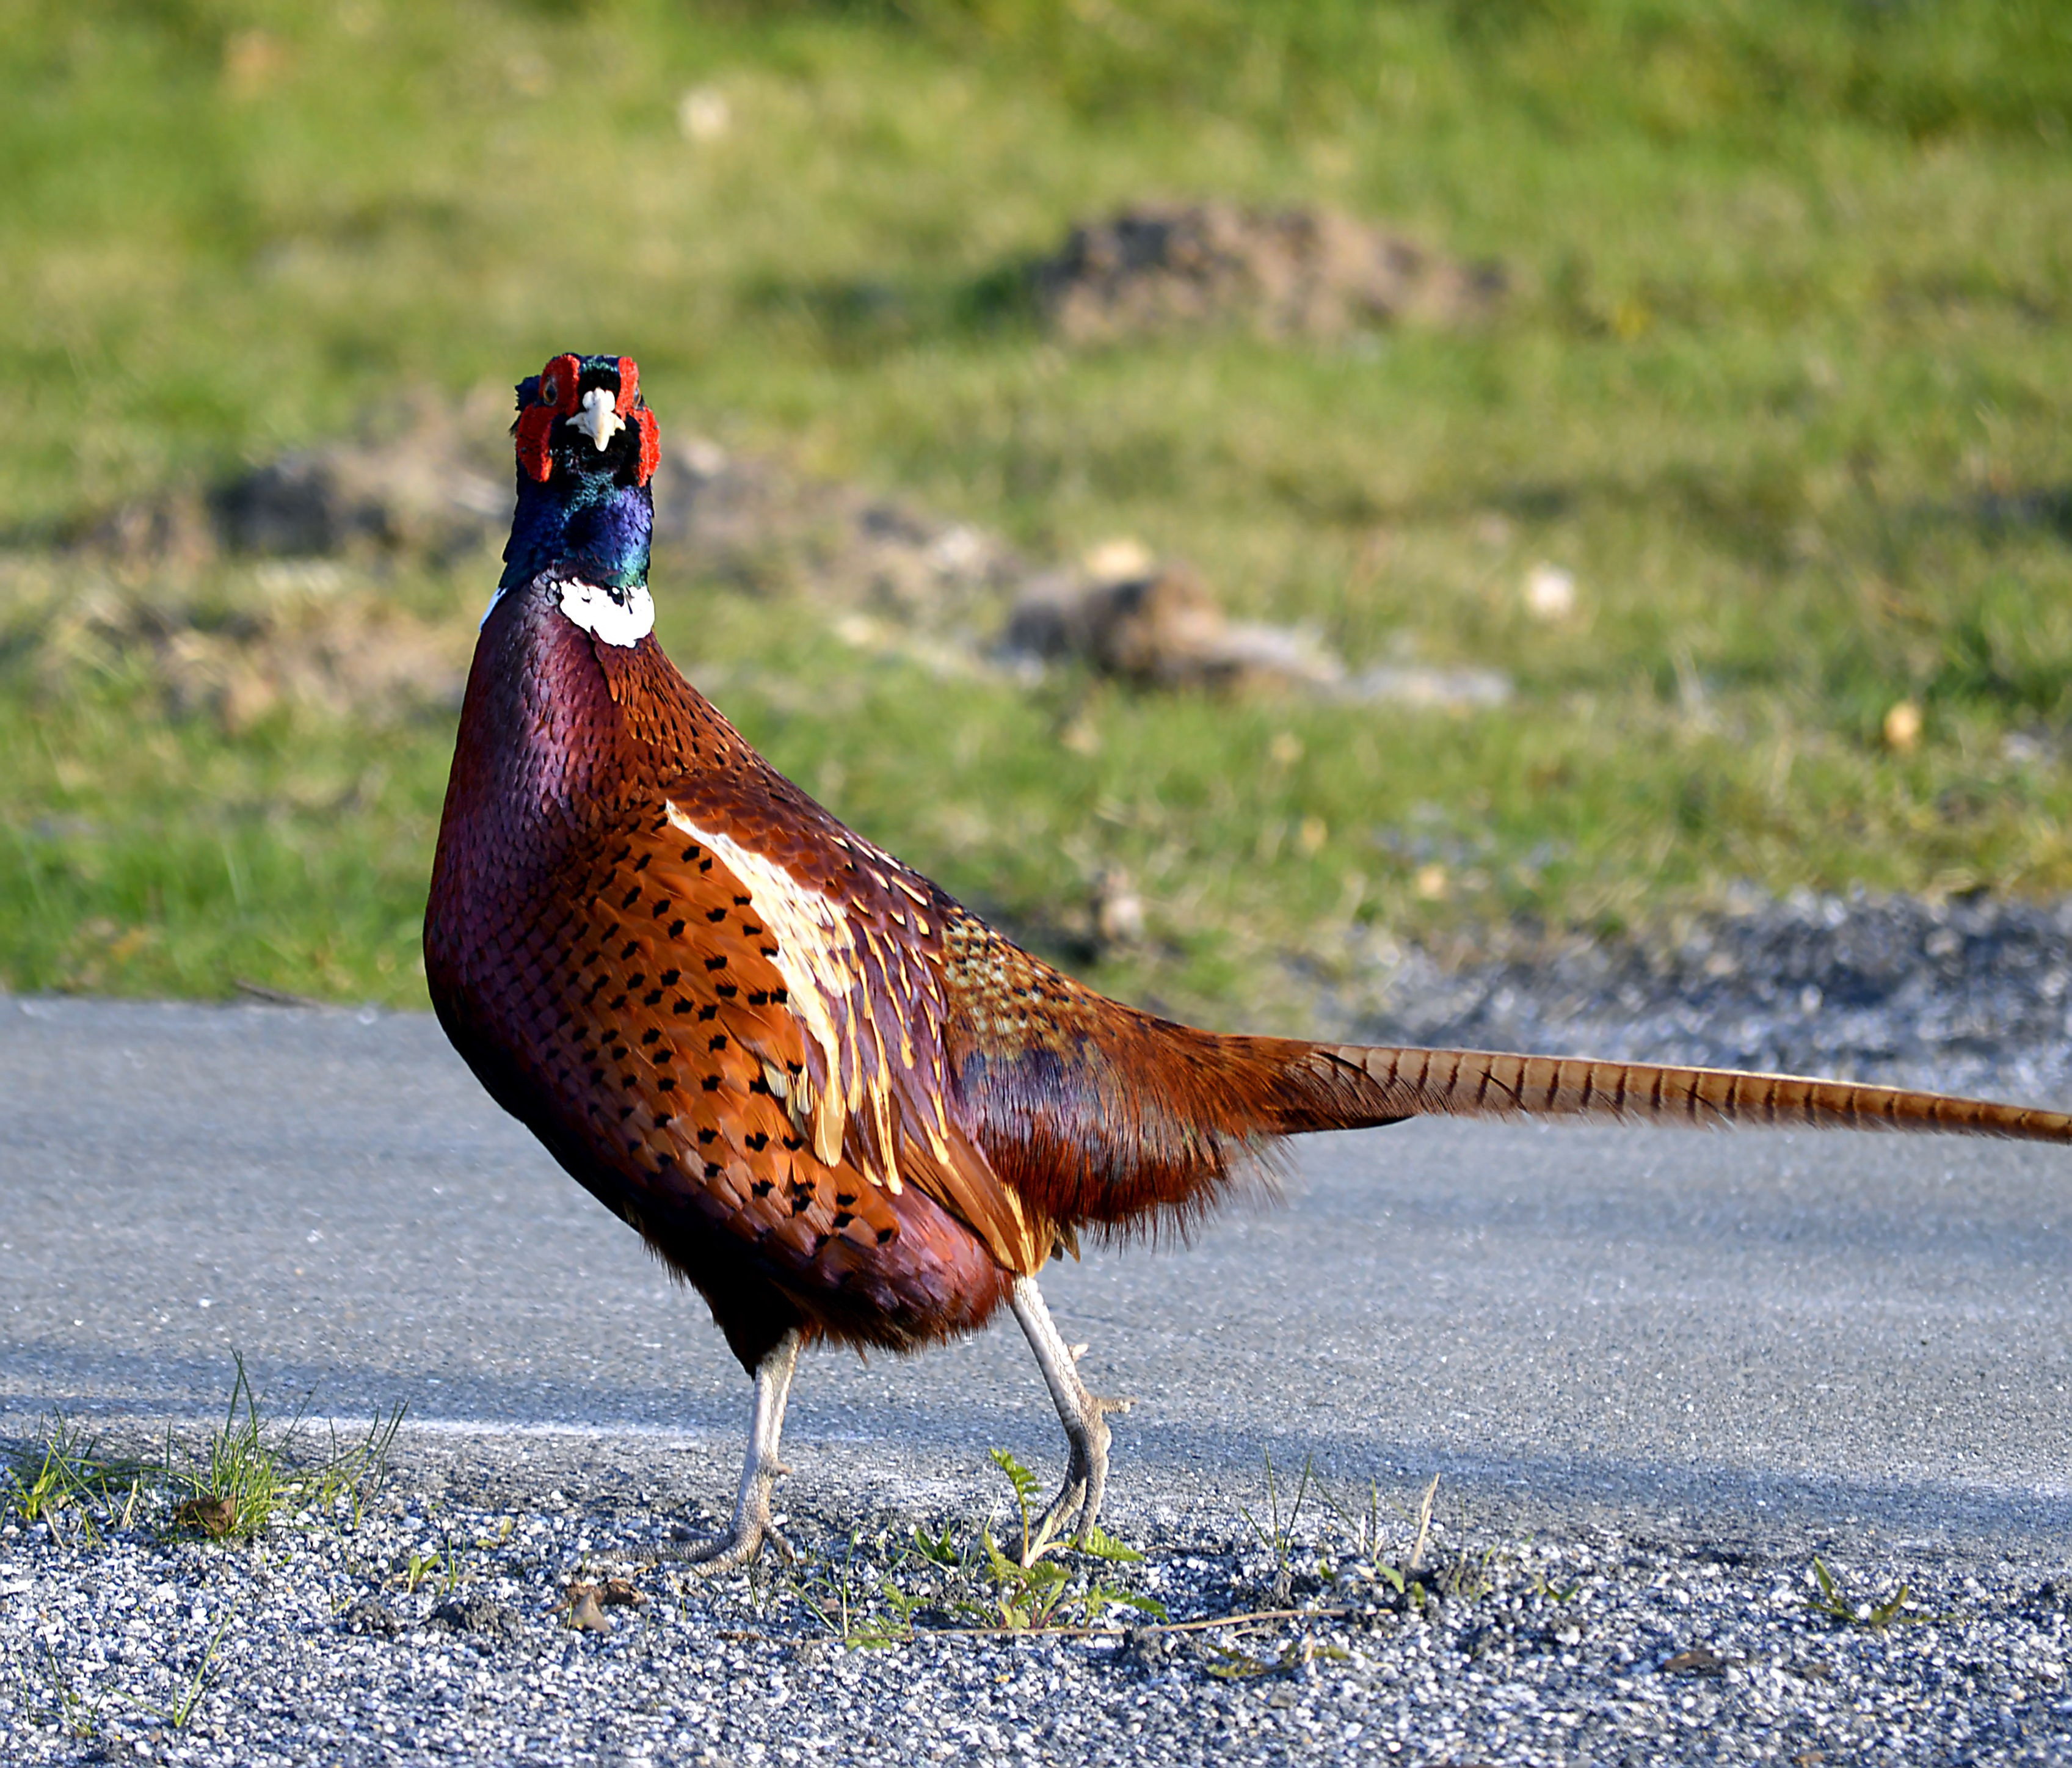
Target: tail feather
{"points": [[1345, 1086]]}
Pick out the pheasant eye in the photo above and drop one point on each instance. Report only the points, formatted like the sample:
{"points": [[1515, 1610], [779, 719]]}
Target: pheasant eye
{"points": [[550, 391]]}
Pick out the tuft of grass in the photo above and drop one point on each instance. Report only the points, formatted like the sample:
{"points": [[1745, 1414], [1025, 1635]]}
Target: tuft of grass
{"points": [[1309, 1560], [237, 1483], [68, 1486], [839, 1597], [246, 1473]]}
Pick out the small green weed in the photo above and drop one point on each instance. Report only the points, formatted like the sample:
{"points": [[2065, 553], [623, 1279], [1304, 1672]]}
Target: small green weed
{"points": [[1233, 1665], [441, 1567], [77, 1714], [1030, 1593], [1831, 1600], [183, 1710], [836, 1597], [1277, 1534], [1028, 1493], [974, 1581]]}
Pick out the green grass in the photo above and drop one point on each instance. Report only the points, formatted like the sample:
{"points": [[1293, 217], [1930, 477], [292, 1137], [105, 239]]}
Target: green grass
{"points": [[245, 1476], [1781, 382]]}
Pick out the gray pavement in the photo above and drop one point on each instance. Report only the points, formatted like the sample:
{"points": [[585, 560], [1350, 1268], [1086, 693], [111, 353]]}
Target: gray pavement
{"points": [[1758, 1338]]}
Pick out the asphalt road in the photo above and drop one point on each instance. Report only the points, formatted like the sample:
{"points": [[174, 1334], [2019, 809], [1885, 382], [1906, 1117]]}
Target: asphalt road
{"points": [[1738, 1336]]}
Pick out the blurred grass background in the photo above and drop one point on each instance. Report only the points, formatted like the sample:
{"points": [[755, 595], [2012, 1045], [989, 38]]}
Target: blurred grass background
{"points": [[1780, 381]]}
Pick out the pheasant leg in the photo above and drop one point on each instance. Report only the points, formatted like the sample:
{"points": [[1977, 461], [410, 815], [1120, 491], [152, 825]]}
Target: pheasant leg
{"points": [[752, 1526], [1084, 1415]]}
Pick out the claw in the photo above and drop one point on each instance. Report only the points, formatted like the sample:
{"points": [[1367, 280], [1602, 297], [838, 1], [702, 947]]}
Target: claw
{"points": [[753, 1524], [1077, 1506], [731, 1551]]}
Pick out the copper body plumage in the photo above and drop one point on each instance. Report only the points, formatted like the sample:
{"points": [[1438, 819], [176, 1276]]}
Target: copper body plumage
{"points": [[838, 1102]]}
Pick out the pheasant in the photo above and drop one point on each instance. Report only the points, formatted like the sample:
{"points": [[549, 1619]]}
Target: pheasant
{"points": [[839, 1104]]}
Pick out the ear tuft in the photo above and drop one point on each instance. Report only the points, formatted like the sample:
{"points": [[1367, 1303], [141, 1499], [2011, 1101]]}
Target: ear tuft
{"points": [[629, 385]]}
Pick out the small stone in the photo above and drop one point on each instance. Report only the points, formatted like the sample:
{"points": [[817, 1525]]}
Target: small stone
{"points": [[1124, 560], [1118, 910], [1902, 727], [703, 114], [1550, 592]]}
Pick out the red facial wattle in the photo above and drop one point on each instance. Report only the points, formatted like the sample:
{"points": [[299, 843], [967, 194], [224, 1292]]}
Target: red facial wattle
{"points": [[559, 396], [650, 444]]}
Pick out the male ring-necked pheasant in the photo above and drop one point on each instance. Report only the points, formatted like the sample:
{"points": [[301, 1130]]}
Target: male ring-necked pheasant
{"points": [[834, 1100]]}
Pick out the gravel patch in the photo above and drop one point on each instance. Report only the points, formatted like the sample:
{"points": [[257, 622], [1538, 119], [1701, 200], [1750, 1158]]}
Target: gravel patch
{"points": [[317, 1644], [1966, 994]]}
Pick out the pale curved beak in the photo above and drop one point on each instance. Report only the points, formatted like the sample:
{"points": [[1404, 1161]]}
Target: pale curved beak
{"points": [[599, 418]]}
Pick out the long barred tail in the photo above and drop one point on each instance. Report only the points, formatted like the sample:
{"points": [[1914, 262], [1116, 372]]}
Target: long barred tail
{"points": [[1343, 1086]]}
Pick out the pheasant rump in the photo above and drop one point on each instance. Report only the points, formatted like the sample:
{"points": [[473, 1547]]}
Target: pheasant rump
{"points": [[836, 1101]]}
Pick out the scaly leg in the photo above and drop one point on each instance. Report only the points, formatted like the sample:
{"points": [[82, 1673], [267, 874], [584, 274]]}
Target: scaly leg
{"points": [[1084, 1415], [752, 1526]]}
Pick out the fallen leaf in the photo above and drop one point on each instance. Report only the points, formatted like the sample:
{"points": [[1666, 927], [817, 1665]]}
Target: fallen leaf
{"points": [[214, 1517], [585, 1616]]}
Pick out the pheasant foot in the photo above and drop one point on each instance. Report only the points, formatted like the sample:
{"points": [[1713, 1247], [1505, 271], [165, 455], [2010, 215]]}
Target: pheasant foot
{"points": [[1076, 1509], [752, 1524]]}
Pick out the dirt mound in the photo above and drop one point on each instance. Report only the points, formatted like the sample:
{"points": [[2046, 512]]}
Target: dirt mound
{"points": [[431, 482], [417, 492], [1310, 272], [435, 486], [1159, 626], [346, 653]]}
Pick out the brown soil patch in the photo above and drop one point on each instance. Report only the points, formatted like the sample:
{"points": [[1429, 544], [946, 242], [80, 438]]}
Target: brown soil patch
{"points": [[431, 482], [1313, 272], [1160, 627], [350, 653]]}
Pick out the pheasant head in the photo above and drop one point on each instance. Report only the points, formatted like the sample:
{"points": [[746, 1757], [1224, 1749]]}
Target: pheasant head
{"points": [[587, 446]]}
